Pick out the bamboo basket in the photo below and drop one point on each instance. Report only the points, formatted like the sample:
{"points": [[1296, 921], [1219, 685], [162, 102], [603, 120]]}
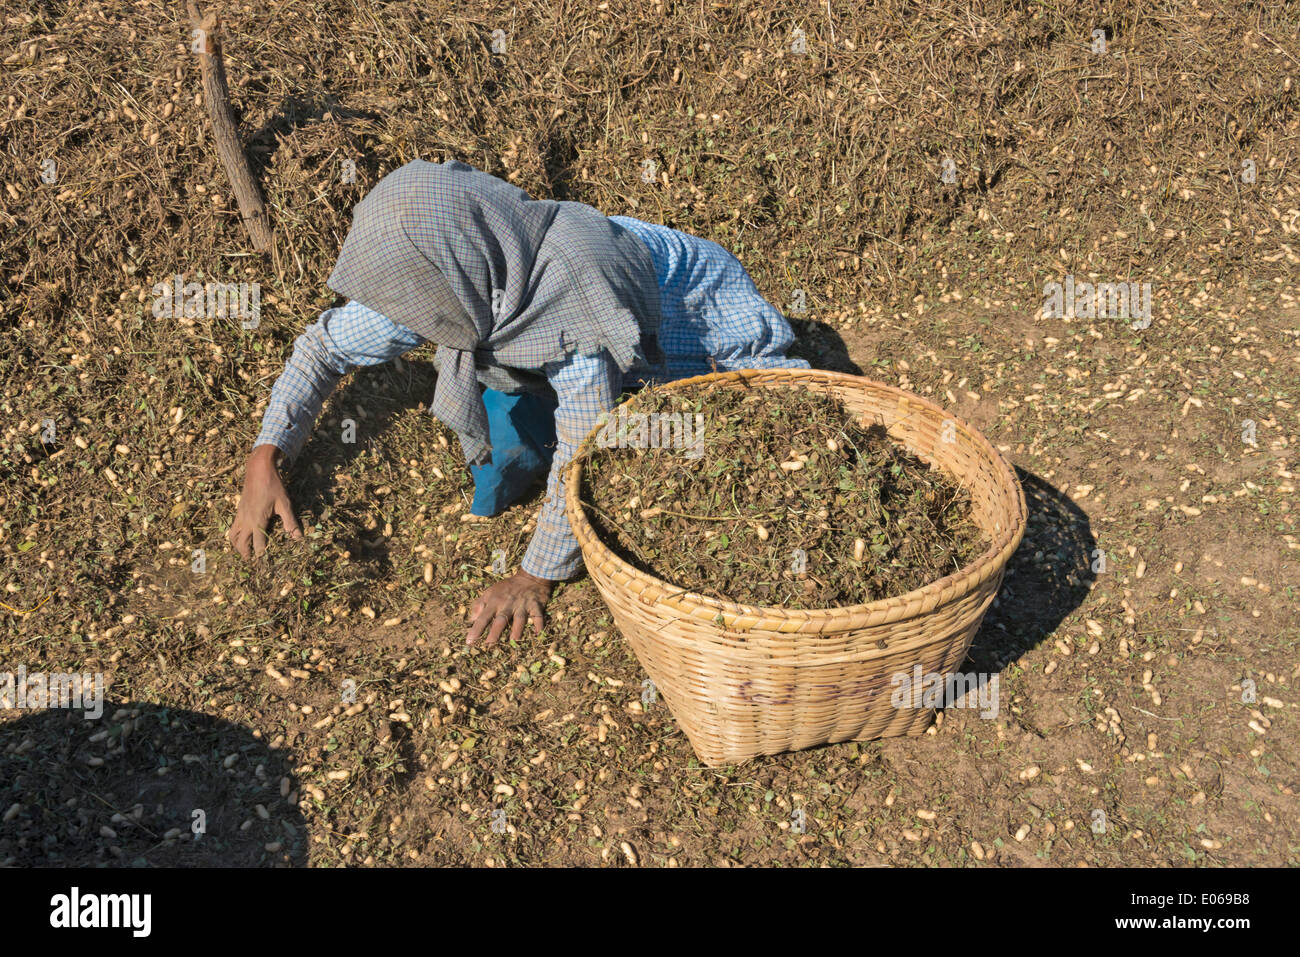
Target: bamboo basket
{"points": [[744, 681]]}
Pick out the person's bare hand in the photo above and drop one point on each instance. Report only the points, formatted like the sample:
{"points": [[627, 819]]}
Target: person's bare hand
{"points": [[513, 601], [264, 497]]}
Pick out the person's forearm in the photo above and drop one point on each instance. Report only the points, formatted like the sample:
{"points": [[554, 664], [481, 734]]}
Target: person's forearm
{"points": [[309, 377], [585, 387], [553, 553]]}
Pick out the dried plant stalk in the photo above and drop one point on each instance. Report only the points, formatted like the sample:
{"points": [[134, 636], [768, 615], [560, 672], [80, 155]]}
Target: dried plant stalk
{"points": [[216, 93]]}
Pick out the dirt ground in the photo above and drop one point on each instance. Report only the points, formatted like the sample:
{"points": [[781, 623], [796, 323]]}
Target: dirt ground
{"points": [[903, 179]]}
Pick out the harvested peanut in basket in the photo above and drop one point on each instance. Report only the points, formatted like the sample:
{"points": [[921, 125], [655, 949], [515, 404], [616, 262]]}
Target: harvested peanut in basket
{"points": [[773, 497]]}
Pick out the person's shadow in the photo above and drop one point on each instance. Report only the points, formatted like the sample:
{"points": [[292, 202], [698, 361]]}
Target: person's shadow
{"points": [[1046, 579], [135, 786], [352, 423], [821, 345]]}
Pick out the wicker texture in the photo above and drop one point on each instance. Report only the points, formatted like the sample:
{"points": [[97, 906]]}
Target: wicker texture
{"points": [[744, 681]]}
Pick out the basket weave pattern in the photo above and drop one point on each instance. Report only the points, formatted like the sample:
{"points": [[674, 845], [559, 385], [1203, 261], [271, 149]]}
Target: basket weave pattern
{"points": [[744, 680]]}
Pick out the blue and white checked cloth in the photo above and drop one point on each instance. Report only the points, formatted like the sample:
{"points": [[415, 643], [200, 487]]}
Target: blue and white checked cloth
{"points": [[711, 310]]}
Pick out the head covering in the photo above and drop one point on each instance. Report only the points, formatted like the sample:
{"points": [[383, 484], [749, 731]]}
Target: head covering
{"points": [[501, 282]]}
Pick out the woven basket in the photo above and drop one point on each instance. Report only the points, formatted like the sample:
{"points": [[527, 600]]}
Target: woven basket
{"points": [[743, 680]]}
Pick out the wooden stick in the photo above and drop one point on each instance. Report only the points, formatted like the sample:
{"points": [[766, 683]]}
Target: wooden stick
{"points": [[206, 43]]}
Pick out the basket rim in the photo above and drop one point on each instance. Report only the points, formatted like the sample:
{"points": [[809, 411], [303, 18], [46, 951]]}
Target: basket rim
{"points": [[881, 611]]}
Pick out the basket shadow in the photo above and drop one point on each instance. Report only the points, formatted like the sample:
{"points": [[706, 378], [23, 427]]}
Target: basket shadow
{"points": [[66, 802], [1047, 578]]}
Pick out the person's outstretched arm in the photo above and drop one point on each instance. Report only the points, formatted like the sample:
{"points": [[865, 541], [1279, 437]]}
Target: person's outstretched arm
{"points": [[585, 386], [341, 340]]}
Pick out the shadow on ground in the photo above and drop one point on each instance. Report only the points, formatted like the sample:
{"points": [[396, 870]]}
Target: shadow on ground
{"points": [[372, 400], [296, 112], [157, 767], [822, 346], [1047, 578]]}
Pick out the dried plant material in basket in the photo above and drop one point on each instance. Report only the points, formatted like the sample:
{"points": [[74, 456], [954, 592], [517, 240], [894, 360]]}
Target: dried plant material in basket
{"points": [[773, 497]]}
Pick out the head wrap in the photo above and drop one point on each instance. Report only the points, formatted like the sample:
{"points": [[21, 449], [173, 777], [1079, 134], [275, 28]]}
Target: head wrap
{"points": [[501, 282]]}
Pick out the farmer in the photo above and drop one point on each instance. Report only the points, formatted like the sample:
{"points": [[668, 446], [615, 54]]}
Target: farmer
{"points": [[543, 313]]}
